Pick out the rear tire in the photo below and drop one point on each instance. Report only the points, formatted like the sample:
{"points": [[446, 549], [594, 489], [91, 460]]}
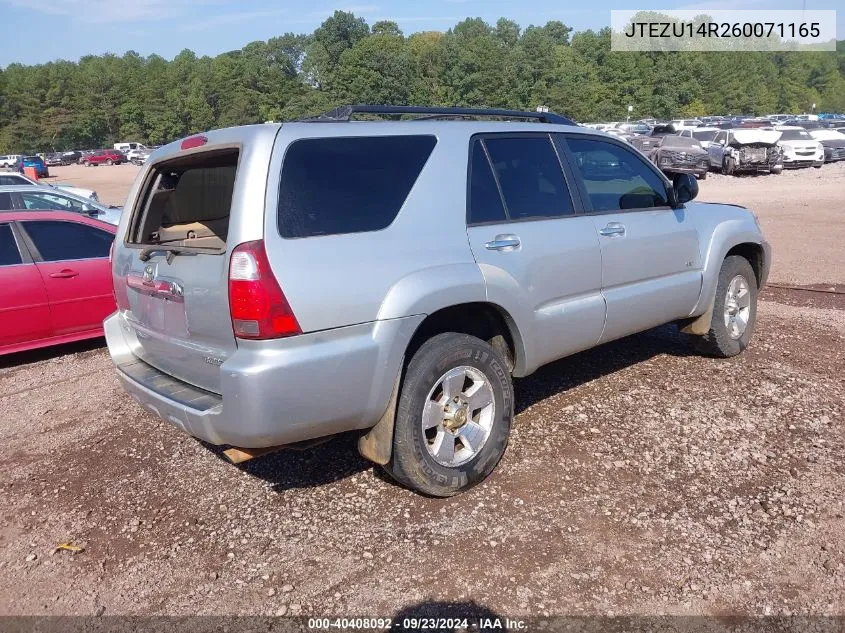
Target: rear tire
{"points": [[777, 170], [458, 387], [734, 311]]}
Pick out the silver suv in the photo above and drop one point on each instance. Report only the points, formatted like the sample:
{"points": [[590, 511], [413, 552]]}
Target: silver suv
{"points": [[280, 283]]}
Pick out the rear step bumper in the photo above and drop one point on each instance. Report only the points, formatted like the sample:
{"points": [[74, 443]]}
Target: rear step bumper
{"points": [[279, 391]]}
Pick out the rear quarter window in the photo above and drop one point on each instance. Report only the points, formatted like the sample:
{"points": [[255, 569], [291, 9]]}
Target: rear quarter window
{"points": [[348, 184]]}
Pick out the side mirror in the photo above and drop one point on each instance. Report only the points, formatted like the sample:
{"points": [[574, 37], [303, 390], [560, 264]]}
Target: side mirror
{"points": [[685, 186]]}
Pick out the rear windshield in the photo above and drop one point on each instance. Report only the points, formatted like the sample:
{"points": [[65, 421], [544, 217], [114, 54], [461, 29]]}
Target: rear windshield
{"points": [[188, 201], [348, 184]]}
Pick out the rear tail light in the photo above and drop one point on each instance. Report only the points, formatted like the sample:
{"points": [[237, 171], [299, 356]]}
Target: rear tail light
{"points": [[257, 304]]}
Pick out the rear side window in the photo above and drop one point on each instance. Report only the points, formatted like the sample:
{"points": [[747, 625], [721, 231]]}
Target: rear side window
{"points": [[9, 253], [59, 241], [485, 203], [6, 203], [348, 185], [530, 175], [11, 179]]}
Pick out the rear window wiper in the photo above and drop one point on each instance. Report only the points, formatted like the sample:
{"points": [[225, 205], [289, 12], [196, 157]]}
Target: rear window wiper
{"points": [[172, 251]]}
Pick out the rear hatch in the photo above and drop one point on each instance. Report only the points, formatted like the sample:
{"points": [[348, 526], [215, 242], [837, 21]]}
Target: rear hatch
{"points": [[171, 272]]}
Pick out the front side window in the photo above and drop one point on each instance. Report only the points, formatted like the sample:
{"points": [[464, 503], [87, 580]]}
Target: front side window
{"points": [[341, 185], [615, 178], [58, 241], [530, 176], [9, 253]]}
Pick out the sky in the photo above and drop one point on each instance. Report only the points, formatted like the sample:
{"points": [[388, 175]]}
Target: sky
{"points": [[37, 31]]}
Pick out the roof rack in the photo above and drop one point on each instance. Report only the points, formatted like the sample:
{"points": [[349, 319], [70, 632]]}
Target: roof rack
{"points": [[344, 113]]}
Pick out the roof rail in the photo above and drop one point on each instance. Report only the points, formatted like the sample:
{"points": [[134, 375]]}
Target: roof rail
{"points": [[344, 113]]}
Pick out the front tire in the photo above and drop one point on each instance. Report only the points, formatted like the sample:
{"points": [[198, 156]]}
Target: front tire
{"points": [[734, 310], [454, 416], [728, 166]]}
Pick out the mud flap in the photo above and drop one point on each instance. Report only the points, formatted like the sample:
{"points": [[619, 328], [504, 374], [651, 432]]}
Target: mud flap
{"points": [[377, 445], [701, 325]]}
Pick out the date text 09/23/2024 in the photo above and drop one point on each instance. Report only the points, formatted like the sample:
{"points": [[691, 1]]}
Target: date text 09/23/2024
{"points": [[419, 624]]}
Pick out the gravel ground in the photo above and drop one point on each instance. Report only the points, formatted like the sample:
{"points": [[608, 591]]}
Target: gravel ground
{"points": [[640, 479]]}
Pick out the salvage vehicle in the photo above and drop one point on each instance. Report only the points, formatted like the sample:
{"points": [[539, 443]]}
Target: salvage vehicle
{"points": [[833, 142], [704, 135], [9, 161], [10, 179], [680, 155], [48, 198], [648, 141], [138, 156], [53, 159], [36, 162], [799, 148], [752, 150], [104, 157], [55, 278], [280, 283]]}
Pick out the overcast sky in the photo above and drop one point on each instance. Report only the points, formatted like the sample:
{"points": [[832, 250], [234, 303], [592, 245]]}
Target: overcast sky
{"points": [[35, 31]]}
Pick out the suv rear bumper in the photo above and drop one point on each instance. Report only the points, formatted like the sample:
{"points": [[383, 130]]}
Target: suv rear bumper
{"points": [[280, 391]]}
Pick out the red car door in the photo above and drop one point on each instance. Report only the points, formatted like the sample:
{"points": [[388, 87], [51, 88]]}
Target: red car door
{"points": [[72, 258], [24, 309]]}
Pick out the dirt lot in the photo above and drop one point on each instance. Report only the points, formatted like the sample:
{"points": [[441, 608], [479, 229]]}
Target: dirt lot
{"points": [[640, 479]]}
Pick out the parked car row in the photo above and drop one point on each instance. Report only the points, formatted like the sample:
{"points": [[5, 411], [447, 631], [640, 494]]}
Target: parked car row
{"points": [[127, 152], [733, 146]]}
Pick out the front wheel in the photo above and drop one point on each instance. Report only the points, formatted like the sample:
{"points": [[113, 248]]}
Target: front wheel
{"points": [[109, 162], [734, 310], [728, 166], [454, 416], [777, 170]]}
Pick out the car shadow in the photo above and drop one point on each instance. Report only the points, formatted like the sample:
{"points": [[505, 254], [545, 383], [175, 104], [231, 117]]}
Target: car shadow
{"points": [[291, 468], [339, 458], [19, 359], [583, 367], [448, 617]]}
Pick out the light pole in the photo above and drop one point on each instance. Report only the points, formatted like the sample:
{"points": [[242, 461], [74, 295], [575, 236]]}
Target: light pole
{"points": [[628, 118]]}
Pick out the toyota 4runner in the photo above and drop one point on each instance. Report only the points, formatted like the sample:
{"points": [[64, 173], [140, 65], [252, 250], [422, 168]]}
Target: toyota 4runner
{"points": [[281, 283]]}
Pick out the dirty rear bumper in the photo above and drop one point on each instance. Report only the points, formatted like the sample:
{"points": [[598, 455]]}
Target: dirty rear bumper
{"points": [[280, 391]]}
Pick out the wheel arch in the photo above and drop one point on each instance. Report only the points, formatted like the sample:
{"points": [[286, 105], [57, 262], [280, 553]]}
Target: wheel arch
{"points": [[485, 320]]}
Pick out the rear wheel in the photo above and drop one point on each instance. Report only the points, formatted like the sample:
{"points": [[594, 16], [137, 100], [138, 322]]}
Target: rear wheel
{"points": [[734, 310], [777, 170], [454, 416]]}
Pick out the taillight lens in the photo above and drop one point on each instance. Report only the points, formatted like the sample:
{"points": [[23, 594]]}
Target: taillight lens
{"points": [[257, 304]]}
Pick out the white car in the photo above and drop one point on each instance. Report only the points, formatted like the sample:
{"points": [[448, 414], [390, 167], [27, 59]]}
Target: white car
{"points": [[683, 124], [138, 156], [704, 135], [9, 160], [13, 179], [799, 148]]}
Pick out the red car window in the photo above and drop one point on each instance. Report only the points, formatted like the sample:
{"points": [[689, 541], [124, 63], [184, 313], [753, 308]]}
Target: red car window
{"points": [[9, 253], [59, 241]]}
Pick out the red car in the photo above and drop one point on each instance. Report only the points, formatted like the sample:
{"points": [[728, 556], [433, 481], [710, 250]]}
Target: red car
{"points": [[104, 157], [55, 278]]}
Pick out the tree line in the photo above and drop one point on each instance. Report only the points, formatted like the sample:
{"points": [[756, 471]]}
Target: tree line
{"points": [[105, 98]]}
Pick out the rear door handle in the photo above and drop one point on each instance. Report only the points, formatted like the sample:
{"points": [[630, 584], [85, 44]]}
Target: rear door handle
{"points": [[67, 273], [503, 243], [613, 229]]}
